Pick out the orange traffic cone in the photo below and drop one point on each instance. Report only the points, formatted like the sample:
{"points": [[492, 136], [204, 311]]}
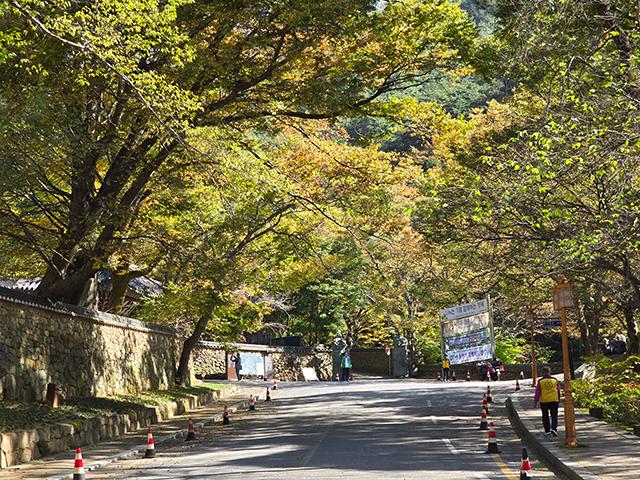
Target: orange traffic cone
{"points": [[78, 466], [337, 377], [295, 377], [439, 377], [517, 385], [521, 375], [489, 399], [252, 403], [191, 435], [488, 376], [151, 449], [225, 416], [468, 376], [275, 383], [485, 405], [493, 445], [453, 376], [525, 469], [268, 399], [483, 419]]}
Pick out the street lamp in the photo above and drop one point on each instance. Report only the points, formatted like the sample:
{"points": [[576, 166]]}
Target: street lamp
{"points": [[563, 299], [530, 315]]}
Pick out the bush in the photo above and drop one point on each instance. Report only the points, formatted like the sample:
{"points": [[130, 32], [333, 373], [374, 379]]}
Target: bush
{"points": [[615, 387]]}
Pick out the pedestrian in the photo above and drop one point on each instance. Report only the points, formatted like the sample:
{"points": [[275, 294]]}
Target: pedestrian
{"points": [[548, 393], [346, 367], [237, 361], [620, 347], [606, 348], [446, 365]]}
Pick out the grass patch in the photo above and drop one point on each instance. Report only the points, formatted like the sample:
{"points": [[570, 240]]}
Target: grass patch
{"points": [[27, 416]]}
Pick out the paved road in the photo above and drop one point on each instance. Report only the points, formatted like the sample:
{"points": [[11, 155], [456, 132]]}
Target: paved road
{"points": [[382, 429]]}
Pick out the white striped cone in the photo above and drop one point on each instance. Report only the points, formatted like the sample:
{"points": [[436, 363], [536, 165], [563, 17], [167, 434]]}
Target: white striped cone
{"points": [[268, 399], [78, 466], [225, 416], [488, 376], [489, 399], [492, 447], [275, 383], [485, 405], [439, 377], [192, 434], [151, 449], [525, 468], [295, 376], [521, 375], [252, 403], [453, 376], [468, 376], [483, 420], [517, 385], [337, 377]]}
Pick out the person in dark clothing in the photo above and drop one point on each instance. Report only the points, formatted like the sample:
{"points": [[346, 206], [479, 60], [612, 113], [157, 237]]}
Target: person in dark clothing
{"points": [[620, 347], [235, 358], [606, 348]]}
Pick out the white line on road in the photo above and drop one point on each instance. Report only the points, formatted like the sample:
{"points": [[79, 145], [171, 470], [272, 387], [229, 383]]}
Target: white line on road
{"points": [[434, 420], [428, 403], [450, 445]]}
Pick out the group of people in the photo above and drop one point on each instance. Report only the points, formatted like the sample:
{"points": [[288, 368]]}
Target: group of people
{"points": [[619, 347]]}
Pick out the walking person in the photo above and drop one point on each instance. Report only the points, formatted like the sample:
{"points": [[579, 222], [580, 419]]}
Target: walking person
{"points": [[446, 365], [548, 393], [237, 361], [346, 367]]}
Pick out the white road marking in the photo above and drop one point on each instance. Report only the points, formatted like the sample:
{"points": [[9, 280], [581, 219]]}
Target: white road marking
{"points": [[450, 445]]}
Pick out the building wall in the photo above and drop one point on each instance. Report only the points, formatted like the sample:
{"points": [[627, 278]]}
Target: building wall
{"points": [[87, 353]]}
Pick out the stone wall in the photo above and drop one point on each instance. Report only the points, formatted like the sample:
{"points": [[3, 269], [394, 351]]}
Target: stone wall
{"points": [[209, 362], [28, 445], [370, 360], [87, 353], [287, 364]]}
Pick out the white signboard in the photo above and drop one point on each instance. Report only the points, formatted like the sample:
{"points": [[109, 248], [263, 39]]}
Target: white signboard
{"points": [[467, 332], [309, 374], [466, 310]]}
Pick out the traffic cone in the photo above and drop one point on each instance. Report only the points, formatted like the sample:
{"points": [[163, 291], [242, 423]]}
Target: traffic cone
{"points": [[268, 399], [468, 376], [525, 469], [151, 449], [225, 416], [483, 419], [521, 375], [78, 466], [493, 445], [489, 399], [485, 405], [191, 435], [488, 376], [337, 377], [439, 377], [252, 403], [275, 383], [453, 376], [517, 385], [295, 377]]}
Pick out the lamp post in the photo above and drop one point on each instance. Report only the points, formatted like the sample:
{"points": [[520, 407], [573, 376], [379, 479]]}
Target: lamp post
{"points": [[530, 315], [563, 299]]}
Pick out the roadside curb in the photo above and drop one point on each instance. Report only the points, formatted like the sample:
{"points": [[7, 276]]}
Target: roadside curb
{"points": [[166, 438], [552, 454]]}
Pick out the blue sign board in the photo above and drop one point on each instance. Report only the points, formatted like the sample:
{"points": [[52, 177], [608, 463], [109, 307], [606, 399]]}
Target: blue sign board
{"points": [[552, 323]]}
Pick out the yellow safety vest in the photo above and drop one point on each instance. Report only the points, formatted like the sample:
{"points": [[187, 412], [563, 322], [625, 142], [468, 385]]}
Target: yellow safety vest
{"points": [[446, 363], [548, 390]]}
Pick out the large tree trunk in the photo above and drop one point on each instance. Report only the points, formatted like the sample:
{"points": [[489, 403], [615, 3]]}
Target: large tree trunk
{"points": [[182, 376]]}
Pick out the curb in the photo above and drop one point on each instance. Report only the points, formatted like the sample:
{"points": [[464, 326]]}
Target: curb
{"points": [[551, 453], [143, 447]]}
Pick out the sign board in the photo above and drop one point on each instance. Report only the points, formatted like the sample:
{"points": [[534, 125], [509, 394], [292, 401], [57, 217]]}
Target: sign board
{"points": [[467, 332], [309, 374], [252, 364], [552, 323]]}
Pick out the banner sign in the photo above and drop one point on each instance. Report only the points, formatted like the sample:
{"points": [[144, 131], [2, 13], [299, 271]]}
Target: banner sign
{"points": [[466, 310], [552, 324], [467, 332]]}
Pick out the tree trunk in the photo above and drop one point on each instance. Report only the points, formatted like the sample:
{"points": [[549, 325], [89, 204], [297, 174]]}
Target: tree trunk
{"points": [[182, 376]]}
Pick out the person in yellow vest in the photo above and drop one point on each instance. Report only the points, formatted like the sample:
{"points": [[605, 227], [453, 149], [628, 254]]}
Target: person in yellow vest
{"points": [[446, 364], [548, 394]]}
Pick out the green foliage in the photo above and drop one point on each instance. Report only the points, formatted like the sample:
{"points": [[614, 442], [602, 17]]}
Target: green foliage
{"points": [[509, 349], [615, 387]]}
